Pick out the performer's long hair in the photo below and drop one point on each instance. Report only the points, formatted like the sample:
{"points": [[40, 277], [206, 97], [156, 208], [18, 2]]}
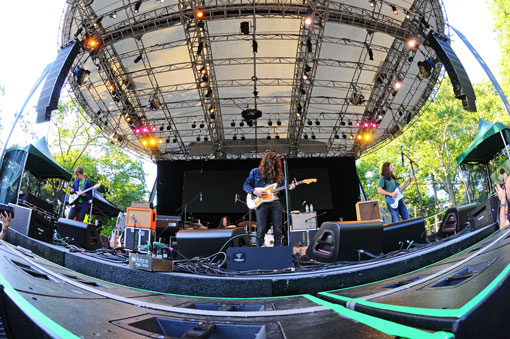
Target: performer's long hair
{"points": [[271, 167], [385, 171]]}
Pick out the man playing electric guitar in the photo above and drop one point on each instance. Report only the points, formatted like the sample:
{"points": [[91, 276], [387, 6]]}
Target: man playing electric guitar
{"points": [[270, 171], [387, 186], [82, 205]]}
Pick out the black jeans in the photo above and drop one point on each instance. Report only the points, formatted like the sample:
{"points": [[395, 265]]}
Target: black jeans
{"points": [[265, 211], [79, 209]]}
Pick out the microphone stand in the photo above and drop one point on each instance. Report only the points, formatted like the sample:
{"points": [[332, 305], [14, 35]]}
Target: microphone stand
{"points": [[248, 228], [287, 196], [411, 161], [185, 206]]}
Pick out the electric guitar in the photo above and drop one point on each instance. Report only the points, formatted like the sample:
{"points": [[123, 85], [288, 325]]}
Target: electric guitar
{"points": [[73, 198], [254, 201], [393, 202]]}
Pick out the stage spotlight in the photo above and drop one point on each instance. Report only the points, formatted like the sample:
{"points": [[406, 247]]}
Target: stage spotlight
{"points": [[138, 58], [374, 125], [309, 122], [270, 123], [167, 140], [81, 75], [145, 129], [174, 140], [200, 47], [317, 122], [268, 137], [408, 15], [277, 137], [367, 137], [199, 14], [162, 1], [342, 123], [137, 6], [241, 124], [160, 141], [371, 3], [155, 104], [193, 125], [203, 71], [211, 110], [308, 20], [313, 136], [359, 137], [349, 123], [113, 15], [137, 130], [144, 142], [206, 138], [212, 116], [233, 123], [344, 136], [198, 138], [243, 138], [305, 136], [202, 125], [358, 124], [412, 44], [366, 124], [234, 137], [397, 85], [162, 128], [394, 9], [168, 127], [153, 128], [309, 46], [278, 122], [208, 93], [337, 136], [351, 137], [205, 78], [111, 88], [92, 43], [250, 123]]}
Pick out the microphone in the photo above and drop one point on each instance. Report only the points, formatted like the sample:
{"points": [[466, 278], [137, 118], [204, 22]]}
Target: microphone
{"points": [[235, 198], [402, 155], [200, 196]]}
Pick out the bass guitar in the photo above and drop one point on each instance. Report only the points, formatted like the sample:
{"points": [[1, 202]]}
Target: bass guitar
{"points": [[73, 198], [254, 201], [393, 202]]}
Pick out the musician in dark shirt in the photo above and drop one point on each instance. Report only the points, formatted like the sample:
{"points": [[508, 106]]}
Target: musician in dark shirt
{"points": [[387, 186], [270, 171], [82, 205]]}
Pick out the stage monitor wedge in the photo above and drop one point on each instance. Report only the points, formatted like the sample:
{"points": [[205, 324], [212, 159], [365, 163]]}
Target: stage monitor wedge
{"points": [[461, 84], [50, 93]]}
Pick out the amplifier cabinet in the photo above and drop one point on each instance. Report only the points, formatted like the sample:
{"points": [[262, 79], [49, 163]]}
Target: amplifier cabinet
{"points": [[303, 221], [136, 238], [301, 237], [368, 210], [141, 218]]}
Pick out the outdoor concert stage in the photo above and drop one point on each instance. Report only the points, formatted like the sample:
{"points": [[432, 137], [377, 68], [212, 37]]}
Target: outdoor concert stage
{"points": [[449, 288]]}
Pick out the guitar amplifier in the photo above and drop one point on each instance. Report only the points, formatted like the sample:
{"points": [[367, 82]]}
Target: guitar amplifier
{"points": [[304, 221], [136, 238], [368, 210], [141, 218]]}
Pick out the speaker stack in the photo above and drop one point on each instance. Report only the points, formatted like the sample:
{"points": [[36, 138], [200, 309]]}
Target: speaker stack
{"points": [[140, 228], [456, 219], [79, 233], [28, 222]]}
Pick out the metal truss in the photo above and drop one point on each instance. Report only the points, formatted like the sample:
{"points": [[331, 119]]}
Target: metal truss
{"points": [[199, 47]]}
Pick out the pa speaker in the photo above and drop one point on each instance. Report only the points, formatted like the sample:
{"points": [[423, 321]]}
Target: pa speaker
{"points": [[346, 240], [462, 87], [259, 258], [30, 223], [455, 219], [50, 93], [203, 243], [82, 234], [402, 234], [485, 214]]}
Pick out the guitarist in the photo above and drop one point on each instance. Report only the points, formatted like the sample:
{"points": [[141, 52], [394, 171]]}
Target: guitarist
{"points": [[386, 186], [270, 171], [82, 205]]}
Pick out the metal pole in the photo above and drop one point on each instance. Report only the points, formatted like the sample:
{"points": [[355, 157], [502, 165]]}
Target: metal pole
{"points": [[287, 196]]}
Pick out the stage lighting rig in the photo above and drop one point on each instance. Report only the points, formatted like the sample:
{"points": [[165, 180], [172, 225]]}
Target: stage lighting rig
{"points": [[136, 8], [81, 75]]}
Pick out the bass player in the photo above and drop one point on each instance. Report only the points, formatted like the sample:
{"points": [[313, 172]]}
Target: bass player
{"points": [[81, 206], [270, 171], [387, 186]]}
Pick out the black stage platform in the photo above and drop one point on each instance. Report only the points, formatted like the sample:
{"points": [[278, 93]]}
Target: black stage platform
{"points": [[448, 289]]}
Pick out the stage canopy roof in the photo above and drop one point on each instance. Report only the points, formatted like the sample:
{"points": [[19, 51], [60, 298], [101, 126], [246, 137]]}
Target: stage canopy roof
{"points": [[487, 142], [158, 66]]}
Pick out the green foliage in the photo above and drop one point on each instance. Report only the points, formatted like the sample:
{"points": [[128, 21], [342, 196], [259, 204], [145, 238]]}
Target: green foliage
{"points": [[76, 142]]}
